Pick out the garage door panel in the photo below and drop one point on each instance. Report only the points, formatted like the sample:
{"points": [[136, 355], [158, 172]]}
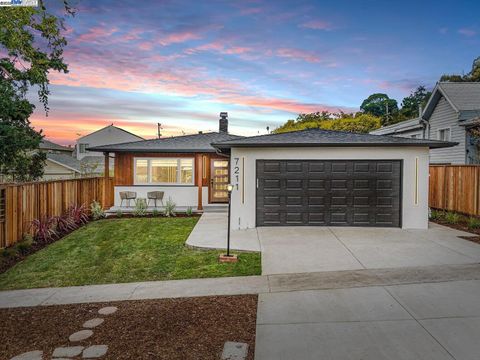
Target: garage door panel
{"points": [[316, 192]]}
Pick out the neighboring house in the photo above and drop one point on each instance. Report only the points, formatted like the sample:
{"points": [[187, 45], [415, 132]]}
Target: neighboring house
{"points": [[307, 178], [93, 161], [451, 114], [61, 166], [60, 163], [186, 168]]}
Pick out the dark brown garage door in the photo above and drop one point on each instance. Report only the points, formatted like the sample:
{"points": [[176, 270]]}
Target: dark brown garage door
{"points": [[334, 193]]}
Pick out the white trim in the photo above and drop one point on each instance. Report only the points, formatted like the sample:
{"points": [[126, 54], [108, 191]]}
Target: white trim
{"points": [[149, 171], [449, 133]]}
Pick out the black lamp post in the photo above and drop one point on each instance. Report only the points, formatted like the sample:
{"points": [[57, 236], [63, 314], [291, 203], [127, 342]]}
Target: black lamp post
{"points": [[229, 189]]}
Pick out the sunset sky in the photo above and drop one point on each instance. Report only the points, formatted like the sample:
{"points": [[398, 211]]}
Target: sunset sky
{"points": [[180, 63]]}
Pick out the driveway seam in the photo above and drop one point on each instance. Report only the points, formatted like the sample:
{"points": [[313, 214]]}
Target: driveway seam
{"points": [[419, 323], [346, 247]]}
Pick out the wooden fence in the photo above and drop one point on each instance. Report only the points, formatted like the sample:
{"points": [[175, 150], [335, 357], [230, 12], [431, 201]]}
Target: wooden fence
{"points": [[21, 203], [455, 188]]}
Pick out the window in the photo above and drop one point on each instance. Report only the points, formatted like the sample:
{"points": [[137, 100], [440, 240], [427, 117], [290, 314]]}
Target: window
{"points": [[164, 171], [83, 148], [444, 134], [416, 136]]}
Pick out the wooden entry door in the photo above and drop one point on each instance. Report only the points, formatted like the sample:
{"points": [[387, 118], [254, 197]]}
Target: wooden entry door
{"points": [[218, 181]]}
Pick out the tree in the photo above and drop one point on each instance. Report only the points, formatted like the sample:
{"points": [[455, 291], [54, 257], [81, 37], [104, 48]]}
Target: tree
{"points": [[473, 75], [31, 39], [380, 105], [412, 103], [359, 123]]}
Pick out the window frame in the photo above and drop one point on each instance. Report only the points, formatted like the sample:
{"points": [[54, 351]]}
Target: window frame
{"points": [[449, 133], [83, 146], [149, 171]]}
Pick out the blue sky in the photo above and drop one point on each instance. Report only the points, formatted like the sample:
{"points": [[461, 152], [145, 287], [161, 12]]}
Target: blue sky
{"points": [[182, 62]]}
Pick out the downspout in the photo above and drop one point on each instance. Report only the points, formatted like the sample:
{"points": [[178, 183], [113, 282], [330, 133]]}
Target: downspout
{"points": [[425, 124]]}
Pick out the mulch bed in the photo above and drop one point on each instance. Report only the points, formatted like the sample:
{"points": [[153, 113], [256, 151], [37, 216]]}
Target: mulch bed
{"points": [[462, 227], [187, 328]]}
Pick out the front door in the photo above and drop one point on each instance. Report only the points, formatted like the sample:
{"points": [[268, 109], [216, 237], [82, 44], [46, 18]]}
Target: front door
{"points": [[218, 181]]}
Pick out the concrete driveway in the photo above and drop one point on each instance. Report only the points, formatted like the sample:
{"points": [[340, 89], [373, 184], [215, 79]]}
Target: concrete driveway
{"points": [[312, 249], [432, 321]]}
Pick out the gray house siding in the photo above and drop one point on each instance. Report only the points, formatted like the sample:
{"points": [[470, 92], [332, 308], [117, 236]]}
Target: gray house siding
{"points": [[444, 116], [418, 134]]}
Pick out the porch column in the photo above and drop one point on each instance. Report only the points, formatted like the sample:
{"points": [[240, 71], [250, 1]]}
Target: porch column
{"points": [[106, 171], [198, 159]]}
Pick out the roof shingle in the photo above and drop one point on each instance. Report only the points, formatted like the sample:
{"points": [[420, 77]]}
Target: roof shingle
{"points": [[319, 137], [186, 143]]}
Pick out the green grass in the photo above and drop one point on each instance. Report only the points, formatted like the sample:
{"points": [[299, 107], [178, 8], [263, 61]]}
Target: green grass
{"points": [[124, 250]]}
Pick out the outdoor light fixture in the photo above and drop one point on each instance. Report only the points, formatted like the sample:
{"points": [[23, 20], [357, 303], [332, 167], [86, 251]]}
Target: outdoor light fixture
{"points": [[227, 257]]}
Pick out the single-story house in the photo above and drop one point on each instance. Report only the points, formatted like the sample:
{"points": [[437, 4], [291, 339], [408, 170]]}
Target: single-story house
{"points": [[186, 168], [306, 178], [451, 114]]}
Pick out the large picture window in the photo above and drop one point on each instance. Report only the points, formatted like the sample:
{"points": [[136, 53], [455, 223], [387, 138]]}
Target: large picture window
{"points": [[164, 171]]}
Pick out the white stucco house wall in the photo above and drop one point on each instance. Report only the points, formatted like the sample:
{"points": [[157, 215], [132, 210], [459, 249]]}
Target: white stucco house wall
{"points": [[327, 178]]}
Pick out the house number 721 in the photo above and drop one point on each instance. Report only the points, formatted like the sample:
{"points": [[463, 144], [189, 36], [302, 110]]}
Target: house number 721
{"points": [[236, 172]]}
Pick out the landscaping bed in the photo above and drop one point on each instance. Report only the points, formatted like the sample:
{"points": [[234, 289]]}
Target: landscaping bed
{"points": [[187, 328], [124, 250], [458, 221]]}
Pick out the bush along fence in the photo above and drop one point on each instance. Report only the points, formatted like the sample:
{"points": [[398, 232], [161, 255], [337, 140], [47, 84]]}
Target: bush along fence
{"points": [[455, 188], [26, 207]]}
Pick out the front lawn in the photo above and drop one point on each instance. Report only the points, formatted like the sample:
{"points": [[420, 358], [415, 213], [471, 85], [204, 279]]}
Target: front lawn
{"points": [[124, 250]]}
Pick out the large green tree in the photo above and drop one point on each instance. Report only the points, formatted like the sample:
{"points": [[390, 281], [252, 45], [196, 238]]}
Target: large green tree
{"points": [[473, 75], [412, 103], [31, 45], [360, 122], [382, 106]]}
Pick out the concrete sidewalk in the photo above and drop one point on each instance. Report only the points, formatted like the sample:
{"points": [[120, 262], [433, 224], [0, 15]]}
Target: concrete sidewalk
{"points": [[238, 285], [211, 233]]}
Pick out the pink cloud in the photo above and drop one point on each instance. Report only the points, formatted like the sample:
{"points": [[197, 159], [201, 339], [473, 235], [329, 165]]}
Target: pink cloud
{"points": [[251, 11], [220, 47], [467, 32], [179, 37], [96, 34], [297, 54], [317, 25]]}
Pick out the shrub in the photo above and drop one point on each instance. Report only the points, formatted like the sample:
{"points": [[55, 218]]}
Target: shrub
{"points": [[25, 244], [473, 223], [8, 252], [44, 229], [65, 223], [119, 213], [189, 211], [452, 218], [140, 207], [170, 207], [79, 214], [96, 210], [155, 213], [437, 214]]}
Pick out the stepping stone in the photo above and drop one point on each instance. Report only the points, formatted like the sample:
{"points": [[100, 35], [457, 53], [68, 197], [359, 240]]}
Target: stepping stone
{"points": [[94, 351], [67, 352], [80, 335], [107, 310], [31, 355], [234, 351], [92, 323]]}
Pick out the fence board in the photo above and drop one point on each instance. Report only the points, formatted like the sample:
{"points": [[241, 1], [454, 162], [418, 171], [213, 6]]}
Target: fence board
{"points": [[455, 188], [21, 203]]}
